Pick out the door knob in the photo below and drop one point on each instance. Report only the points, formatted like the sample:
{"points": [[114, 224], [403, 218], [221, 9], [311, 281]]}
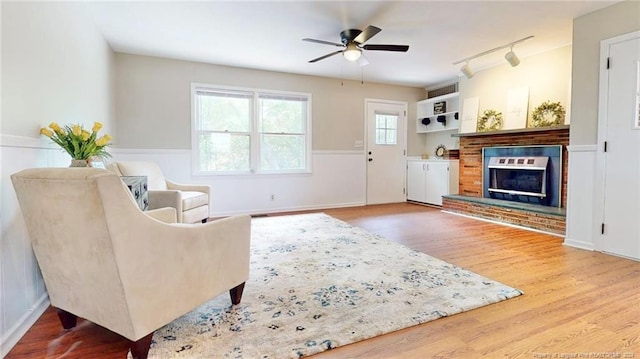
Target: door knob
{"points": [[370, 159]]}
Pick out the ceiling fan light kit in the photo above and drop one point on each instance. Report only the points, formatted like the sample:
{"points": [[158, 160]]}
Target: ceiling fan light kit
{"points": [[352, 42], [352, 52], [510, 56]]}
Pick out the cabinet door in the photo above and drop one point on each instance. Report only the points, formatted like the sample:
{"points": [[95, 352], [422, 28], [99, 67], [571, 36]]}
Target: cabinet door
{"points": [[437, 176], [416, 186]]}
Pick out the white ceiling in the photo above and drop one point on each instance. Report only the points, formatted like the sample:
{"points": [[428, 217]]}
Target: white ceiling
{"points": [[267, 35]]}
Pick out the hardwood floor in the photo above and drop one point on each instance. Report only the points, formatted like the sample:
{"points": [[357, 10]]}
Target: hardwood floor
{"points": [[577, 303]]}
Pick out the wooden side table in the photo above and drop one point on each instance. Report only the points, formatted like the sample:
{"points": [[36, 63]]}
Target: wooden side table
{"points": [[138, 187]]}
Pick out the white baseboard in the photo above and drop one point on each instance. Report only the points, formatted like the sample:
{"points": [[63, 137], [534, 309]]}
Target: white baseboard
{"points": [[20, 328], [578, 244], [505, 224], [292, 209]]}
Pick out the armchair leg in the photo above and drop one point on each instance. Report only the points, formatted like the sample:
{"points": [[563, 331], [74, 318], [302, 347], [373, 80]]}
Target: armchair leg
{"points": [[140, 348], [67, 319], [205, 220], [236, 293]]}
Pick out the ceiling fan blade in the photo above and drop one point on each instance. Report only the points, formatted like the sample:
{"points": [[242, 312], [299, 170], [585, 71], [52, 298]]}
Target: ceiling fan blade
{"points": [[398, 48], [323, 42], [368, 33], [325, 56]]}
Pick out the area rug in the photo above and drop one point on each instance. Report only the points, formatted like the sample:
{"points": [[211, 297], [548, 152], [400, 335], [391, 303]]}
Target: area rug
{"points": [[317, 283]]}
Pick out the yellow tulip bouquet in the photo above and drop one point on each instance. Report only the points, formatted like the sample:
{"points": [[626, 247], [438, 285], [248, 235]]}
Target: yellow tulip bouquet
{"points": [[79, 143]]}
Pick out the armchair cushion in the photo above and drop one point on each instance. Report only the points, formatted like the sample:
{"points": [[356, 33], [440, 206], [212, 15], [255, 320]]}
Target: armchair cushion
{"points": [[192, 200]]}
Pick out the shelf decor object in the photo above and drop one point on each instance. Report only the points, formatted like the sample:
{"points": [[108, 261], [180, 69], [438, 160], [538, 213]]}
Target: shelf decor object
{"points": [[491, 120], [440, 151], [439, 107], [548, 114]]}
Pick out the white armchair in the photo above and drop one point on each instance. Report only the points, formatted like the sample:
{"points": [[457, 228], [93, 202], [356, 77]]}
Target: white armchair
{"points": [[190, 201], [105, 260]]}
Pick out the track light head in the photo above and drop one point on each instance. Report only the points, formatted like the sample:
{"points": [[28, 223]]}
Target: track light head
{"points": [[467, 71], [512, 58]]}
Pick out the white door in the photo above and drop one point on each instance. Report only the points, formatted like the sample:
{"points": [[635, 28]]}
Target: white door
{"points": [[437, 182], [621, 230], [386, 151]]}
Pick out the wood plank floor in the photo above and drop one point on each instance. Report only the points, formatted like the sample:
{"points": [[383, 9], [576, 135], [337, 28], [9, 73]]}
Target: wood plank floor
{"points": [[577, 303]]}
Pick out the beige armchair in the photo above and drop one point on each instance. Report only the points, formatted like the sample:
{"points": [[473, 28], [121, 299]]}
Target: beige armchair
{"points": [[105, 260], [190, 201]]}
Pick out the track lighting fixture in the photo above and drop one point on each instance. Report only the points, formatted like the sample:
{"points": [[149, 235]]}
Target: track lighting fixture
{"points": [[467, 71], [510, 56]]}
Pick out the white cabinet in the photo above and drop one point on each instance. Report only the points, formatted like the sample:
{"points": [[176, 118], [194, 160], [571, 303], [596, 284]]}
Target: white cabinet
{"points": [[429, 180], [447, 105]]}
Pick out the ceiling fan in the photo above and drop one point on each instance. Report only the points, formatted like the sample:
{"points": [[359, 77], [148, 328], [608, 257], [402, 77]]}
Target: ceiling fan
{"points": [[353, 43]]}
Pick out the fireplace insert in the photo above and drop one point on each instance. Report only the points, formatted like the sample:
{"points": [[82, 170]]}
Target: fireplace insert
{"points": [[522, 179]]}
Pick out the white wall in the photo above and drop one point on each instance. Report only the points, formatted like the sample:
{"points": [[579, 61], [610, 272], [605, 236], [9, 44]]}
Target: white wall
{"points": [[55, 67]]}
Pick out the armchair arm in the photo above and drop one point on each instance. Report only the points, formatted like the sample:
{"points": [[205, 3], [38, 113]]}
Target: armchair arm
{"points": [[165, 214], [165, 198], [189, 187]]}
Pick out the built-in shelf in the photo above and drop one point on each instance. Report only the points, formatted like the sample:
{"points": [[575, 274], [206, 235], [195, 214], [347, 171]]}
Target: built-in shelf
{"points": [[425, 109], [515, 131]]}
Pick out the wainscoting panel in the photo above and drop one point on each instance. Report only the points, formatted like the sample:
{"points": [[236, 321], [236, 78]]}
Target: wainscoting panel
{"points": [[338, 180], [23, 296], [582, 161]]}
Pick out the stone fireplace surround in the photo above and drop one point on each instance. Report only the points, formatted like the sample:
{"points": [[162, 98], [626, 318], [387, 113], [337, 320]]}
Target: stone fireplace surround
{"points": [[470, 200]]}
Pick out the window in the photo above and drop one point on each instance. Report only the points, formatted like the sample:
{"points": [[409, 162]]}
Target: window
{"points": [[386, 129], [240, 131]]}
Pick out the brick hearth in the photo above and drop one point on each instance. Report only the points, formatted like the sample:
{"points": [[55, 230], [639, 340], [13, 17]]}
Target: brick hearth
{"points": [[471, 178]]}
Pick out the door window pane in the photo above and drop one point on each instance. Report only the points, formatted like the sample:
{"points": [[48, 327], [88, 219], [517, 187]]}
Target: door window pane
{"points": [[386, 129]]}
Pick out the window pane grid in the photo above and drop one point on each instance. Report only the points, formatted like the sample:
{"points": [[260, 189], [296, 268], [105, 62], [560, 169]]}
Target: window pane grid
{"points": [[243, 131], [386, 129]]}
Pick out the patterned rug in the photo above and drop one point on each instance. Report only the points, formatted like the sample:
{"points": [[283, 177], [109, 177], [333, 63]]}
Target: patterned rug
{"points": [[317, 283]]}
